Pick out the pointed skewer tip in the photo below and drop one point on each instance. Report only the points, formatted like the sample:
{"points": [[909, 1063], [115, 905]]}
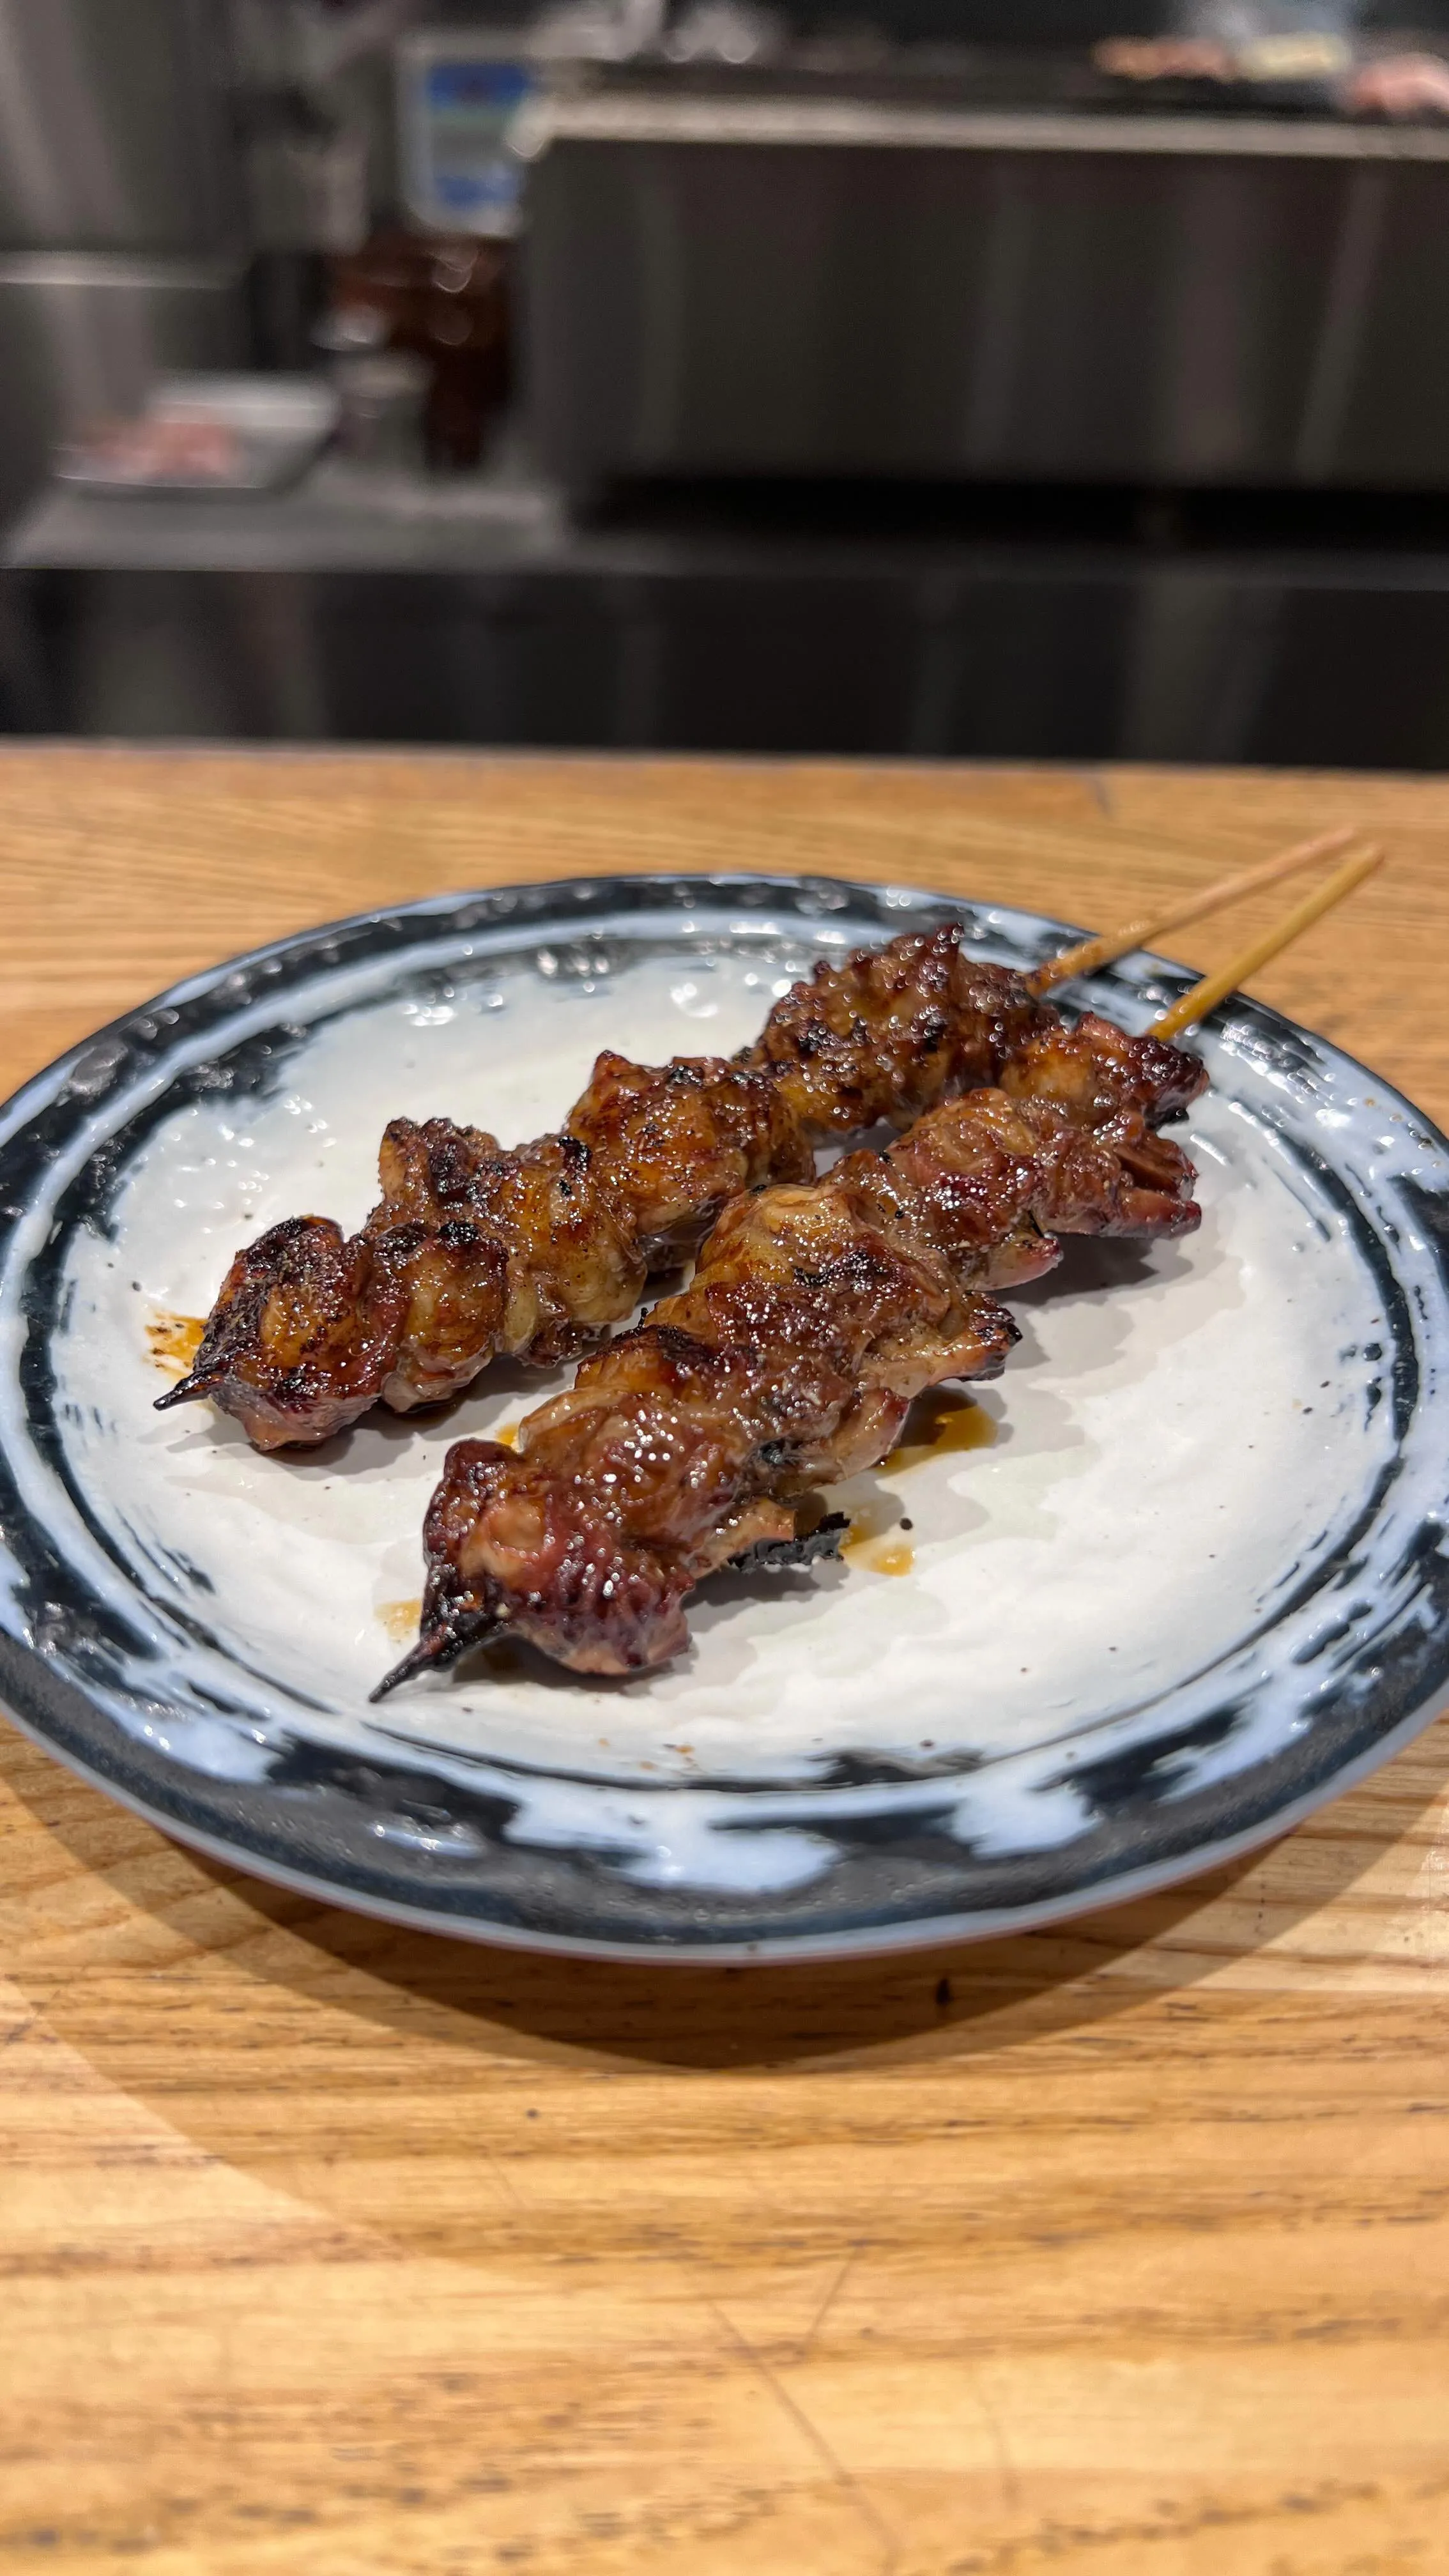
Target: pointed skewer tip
{"points": [[417, 1660], [434, 1652], [189, 1391]]}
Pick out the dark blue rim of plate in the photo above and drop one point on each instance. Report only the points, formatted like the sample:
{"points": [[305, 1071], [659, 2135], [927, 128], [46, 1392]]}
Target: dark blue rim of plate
{"points": [[892, 1882]]}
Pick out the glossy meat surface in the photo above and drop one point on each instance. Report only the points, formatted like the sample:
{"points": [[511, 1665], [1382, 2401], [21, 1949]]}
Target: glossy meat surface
{"points": [[535, 1251], [890, 1031], [817, 1312]]}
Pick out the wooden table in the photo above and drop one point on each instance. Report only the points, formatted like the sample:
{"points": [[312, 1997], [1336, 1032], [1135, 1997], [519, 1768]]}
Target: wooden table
{"points": [[334, 2248]]}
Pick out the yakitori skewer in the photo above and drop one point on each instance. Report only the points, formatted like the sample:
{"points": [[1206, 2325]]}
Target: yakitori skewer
{"points": [[1089, 954], [534, 1251], [1211, 989], [814, 1316]]}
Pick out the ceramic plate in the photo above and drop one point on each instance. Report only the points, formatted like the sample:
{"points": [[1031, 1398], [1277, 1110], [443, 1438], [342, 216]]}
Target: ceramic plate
{"points": [[1186, 1578]]}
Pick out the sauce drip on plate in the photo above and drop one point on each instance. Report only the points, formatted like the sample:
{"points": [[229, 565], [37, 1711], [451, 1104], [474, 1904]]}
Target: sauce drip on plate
{"points": [[941, 1423], [174, 1341], [937, 1424], [400, 1618]]}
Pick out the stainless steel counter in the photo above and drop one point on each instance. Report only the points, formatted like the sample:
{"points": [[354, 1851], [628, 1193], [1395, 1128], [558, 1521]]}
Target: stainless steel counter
{"points": [[120, 214], [839, 286], [360, 609]]}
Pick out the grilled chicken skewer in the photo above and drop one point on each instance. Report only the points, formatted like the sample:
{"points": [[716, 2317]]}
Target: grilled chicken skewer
{"points": [[534, 1251], [815, 1315]]}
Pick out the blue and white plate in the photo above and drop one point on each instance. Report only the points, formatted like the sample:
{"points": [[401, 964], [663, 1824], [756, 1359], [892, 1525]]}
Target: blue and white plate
{"points": [[1181, 1576]]}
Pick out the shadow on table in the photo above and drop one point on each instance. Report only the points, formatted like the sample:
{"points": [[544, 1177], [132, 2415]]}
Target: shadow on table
{"points": [[763, 2015], [954, 1999], [959, 1998]]}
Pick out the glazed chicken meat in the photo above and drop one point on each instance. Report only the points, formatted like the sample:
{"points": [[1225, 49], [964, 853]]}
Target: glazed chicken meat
{"points": [[817, 1311], [534, 1251]]}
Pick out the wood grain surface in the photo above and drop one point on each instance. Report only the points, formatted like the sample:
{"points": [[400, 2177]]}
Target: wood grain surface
{"points": [[329, 2247]]}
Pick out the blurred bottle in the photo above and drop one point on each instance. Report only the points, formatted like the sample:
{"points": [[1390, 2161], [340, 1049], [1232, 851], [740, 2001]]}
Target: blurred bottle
{"points": [[384, 400], [444, 298]]}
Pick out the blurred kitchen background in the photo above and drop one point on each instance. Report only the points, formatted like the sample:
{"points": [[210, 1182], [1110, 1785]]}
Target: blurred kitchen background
{"points": [[1050, 378]]}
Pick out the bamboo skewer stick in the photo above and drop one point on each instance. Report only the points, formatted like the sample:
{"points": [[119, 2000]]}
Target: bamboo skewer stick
{"points": [[1206, 995], [1089, 954]]}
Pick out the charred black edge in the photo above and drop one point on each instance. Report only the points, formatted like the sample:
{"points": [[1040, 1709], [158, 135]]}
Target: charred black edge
{"points": [[440, 1647], [779, 1555], [189, 1390]]}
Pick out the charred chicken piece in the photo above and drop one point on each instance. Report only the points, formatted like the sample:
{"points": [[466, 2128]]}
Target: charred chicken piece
{"points": [[475, 1249], [534, 1251], [311, 1327], [815, 1315], [890, 1031]]}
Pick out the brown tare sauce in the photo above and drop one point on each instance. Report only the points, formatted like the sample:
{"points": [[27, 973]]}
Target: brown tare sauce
{"points": [[894, 1556], [937, 1424], [174, 1341], [400, 1619]]}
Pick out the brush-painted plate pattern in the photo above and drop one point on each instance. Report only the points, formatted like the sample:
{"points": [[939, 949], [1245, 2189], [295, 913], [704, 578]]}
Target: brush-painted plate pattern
{"points": [[1197, 1583]]}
